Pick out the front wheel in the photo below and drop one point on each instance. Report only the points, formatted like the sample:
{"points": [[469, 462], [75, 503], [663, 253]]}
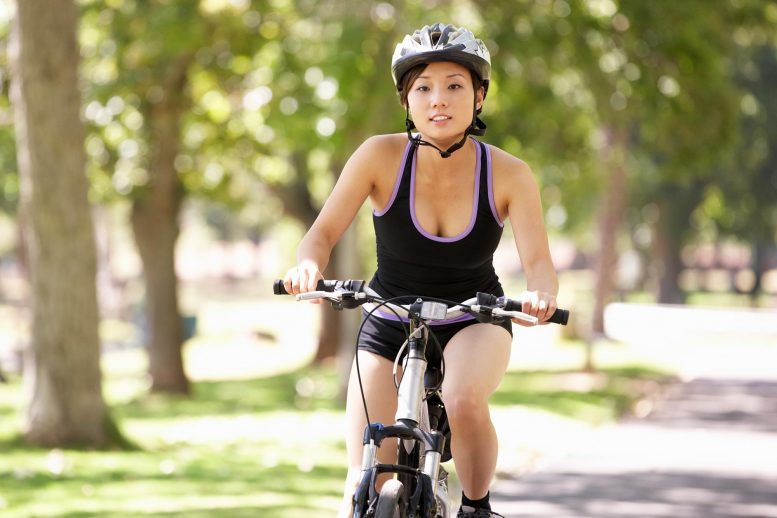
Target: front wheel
{"points": [[389, 499]]}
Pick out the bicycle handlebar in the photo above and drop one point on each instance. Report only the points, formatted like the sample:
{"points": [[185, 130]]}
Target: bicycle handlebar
{"points": [[323, 285], [484, 302]]}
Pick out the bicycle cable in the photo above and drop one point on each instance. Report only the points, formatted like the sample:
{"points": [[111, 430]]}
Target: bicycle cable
{"points": [[371, 314]]}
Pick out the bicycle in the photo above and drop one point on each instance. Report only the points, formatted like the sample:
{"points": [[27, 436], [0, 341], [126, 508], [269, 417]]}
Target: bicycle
{"points": [[420, 487]]}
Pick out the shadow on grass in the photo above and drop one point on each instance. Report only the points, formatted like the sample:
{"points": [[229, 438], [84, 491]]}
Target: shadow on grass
{"points": [[270, 511], [230, 512], [212, 475], [300, 390], [213, 486]]}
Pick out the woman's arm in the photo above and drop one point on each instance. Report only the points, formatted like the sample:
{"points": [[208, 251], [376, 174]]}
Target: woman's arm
{"points": [[356, 182], [519, 196]]}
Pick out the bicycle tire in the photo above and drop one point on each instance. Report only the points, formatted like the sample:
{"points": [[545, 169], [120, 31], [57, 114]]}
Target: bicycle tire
{"points": [[389, 499], [410, 459]]}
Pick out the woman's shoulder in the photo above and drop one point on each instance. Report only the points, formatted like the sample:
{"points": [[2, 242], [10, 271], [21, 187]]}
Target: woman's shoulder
{"points": [[379, 152], [507, 166], [376, 159], [387, 144]]}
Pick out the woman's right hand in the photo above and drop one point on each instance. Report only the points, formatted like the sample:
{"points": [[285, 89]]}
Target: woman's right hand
{"points": [[302, 278]]}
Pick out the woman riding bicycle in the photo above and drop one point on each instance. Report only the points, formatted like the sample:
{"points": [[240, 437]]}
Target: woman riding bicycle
{"points": [[440, 199]]}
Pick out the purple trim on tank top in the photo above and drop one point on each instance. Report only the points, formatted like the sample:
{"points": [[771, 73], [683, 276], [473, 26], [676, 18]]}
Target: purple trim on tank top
{"points": [[387, 315], [474, 204], [397, 183], [490, 177]]}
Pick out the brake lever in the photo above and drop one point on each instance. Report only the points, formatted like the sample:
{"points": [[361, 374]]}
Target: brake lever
{"points": [[339, 299], [486, 313], [311, 295], [517, 315]]}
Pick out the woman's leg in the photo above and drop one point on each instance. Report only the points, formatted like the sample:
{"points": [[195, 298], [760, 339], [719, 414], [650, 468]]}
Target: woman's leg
{"points": [[381, 396], [476, 359]]}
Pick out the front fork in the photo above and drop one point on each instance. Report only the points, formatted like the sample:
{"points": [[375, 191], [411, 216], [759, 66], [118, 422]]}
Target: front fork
{"points": [[434, 443], [428, 475], [410, 398]]}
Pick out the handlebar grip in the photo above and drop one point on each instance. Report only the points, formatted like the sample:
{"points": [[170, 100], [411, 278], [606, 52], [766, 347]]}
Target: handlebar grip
{"points": [[278, 288], [561, 316], [335, 285], [324, 285]]}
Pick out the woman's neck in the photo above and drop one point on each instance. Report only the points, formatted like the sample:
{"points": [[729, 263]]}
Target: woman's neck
{"points": [[430, 161]]}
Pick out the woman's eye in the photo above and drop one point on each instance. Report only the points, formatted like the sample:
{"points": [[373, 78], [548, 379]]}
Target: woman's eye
{"points": [[454, 86]]}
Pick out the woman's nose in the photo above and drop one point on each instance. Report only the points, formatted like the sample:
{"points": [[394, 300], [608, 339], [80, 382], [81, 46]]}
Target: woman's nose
{"points": [[439, 99]]}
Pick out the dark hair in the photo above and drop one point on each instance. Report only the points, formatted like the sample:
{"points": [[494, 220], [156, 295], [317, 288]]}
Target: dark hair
{"points": [[407, 80]]}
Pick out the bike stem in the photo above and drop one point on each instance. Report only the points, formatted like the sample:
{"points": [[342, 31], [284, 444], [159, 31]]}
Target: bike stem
{"points": [[411, 388]]}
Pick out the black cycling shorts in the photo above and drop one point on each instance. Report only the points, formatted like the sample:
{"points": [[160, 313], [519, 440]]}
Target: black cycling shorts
{"points": [[385, 337]]}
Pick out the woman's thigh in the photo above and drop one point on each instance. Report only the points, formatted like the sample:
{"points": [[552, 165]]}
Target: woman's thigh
{"points": [[476, 359]]}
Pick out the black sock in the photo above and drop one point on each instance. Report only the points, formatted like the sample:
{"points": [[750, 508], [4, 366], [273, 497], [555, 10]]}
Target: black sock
{"points": [[483, 503]]}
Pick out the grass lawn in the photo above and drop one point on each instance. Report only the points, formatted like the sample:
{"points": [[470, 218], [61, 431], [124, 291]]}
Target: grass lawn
{"points": [[254, 442], [235, 448]]}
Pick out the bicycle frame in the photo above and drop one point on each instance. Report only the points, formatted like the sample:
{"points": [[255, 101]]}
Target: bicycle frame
{"points": [[410, 400]]}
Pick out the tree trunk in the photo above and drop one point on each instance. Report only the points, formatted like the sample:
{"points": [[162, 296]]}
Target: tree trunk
{"points": [[675, 209], [758, 261], [328, 336], [62, 368], [337, 326], [670, 266], [612, 210], [337, 339], [155, 227]]}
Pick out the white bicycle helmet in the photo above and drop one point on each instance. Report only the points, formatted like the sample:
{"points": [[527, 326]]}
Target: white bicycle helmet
{"points": [[441, 42]]}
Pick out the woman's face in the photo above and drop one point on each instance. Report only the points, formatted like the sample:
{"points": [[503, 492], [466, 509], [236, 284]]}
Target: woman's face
{"points": [[441, 100]]}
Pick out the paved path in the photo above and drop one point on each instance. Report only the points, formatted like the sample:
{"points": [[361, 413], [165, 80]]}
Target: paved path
{"points": [[708, 451]]}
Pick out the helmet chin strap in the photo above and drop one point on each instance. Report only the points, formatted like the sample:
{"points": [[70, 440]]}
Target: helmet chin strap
{"points": [[478, 128]]}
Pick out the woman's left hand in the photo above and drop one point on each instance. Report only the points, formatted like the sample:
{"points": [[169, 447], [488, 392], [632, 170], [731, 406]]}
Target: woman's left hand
{"points": [[538, 304]]}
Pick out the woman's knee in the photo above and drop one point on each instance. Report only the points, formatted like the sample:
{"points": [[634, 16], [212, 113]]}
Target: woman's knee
{"points": [[465, 407]]}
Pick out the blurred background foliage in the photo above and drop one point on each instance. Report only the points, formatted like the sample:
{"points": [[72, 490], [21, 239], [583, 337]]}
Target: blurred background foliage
{"points": [[658, 110], [279, 93]]}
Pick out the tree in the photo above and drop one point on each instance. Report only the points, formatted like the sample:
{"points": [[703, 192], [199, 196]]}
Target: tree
{"points": [[346, 92], [276, 97], [149, 77], [743, 201], [696, 158], [66, 406], [638, 80], [155, 212]]}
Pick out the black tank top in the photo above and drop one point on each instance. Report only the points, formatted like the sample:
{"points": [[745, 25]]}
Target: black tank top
{"points": [[413, 262]]}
